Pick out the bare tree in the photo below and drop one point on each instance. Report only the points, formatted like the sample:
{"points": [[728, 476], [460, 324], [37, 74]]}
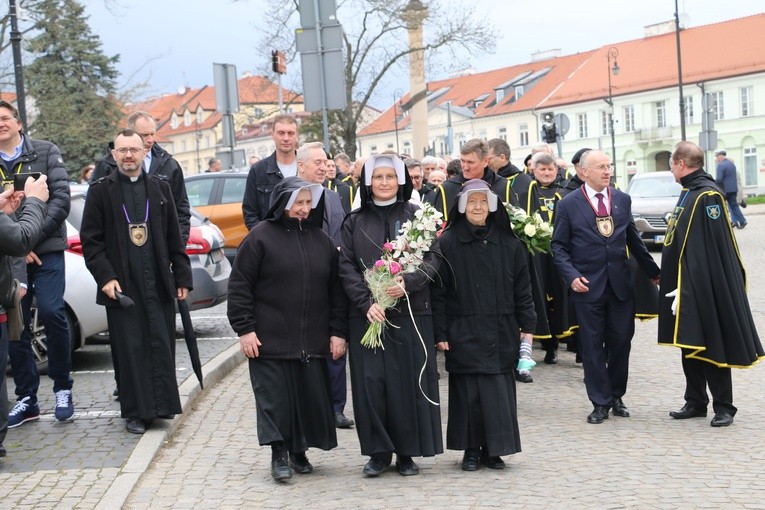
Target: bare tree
{"points": [[376, 43]]}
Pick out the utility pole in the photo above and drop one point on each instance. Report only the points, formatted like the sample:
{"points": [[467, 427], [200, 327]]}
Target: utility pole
{"points": [[17, 68]]}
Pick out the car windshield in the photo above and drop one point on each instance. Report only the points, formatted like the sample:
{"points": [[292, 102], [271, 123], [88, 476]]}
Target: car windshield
{"points": [[654, 188]]}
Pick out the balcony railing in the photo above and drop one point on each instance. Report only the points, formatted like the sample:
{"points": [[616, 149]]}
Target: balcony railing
{"points": [[654, 134]]}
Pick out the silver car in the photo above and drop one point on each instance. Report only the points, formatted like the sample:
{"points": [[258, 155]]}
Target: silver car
{"points": [[654, 195], [210, 271]]}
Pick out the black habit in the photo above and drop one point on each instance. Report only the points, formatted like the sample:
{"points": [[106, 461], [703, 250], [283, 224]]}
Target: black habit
{"points": [[142, 337]]}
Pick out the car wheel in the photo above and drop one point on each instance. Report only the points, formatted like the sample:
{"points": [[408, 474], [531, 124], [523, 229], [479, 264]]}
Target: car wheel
{"points": [[40, 339]]}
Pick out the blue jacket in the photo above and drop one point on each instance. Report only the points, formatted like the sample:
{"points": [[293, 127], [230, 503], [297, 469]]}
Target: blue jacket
{"points": [[726, 176], [580, 250]]}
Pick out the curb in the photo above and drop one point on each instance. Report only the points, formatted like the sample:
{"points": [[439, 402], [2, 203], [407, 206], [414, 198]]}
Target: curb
{"points": [[151, 442]]}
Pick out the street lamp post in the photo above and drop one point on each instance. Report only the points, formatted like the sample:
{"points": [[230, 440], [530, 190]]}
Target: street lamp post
{"points": [[680, 74], [612, 54]]}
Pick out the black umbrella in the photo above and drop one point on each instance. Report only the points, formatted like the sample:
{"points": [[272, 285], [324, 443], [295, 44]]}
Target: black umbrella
{"points": [[191, 340]]}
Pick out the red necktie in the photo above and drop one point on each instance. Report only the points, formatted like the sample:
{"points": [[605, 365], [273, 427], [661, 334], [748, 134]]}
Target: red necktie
{"points": [[601, 205]]}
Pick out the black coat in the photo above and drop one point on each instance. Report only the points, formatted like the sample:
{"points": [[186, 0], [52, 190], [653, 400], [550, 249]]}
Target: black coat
{"points": [[482, 298], [284, 284], [263, 176], [164, 166], [105, 239]]}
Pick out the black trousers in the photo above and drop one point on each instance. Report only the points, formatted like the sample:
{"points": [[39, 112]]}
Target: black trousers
{"points": [[700, 374], [338, 382], [606, 327]]}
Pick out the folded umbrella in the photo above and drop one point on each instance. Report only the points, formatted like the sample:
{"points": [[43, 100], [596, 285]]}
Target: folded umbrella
{"points": [[191, 340]]}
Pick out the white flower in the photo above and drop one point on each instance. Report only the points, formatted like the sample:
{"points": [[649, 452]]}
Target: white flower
{"points": [[545, 228], [530, 230]]}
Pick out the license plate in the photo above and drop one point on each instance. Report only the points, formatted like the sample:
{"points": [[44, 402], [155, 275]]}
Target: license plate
{"points": [[216, 256], [658, 239]]}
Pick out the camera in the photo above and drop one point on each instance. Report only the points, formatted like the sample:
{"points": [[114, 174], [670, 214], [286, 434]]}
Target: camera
{"points": [[19, 180]]}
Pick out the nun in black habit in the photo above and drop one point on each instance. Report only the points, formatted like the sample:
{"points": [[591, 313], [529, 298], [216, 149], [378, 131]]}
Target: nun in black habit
{"points": [[286, 304], [482, 305], [395, 401]]}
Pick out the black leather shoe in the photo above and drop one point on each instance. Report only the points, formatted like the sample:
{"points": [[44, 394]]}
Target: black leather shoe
{"points": [[523, 377], [375, 466], [406, 466], [135, 425], [342, 422], [491, 462], [722, 419], [619, 409], [688, 411], [116, 394], [299, 463], [741, 226], [471, 461], [598, 415], [551, 358]]}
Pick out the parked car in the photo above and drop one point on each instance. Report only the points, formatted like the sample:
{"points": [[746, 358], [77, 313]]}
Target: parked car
{"points": [[654, 195], [219, 195], [210, 270]]}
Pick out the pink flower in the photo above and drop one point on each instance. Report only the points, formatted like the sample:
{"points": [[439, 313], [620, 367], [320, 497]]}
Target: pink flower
{"points": [[379, 264], [388, 246], [395, 267]]}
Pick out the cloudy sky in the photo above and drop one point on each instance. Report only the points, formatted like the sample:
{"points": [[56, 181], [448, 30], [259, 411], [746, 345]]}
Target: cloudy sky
{"points": [[171, 43]]}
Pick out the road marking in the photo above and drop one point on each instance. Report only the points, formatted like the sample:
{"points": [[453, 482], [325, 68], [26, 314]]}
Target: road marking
{"points": [[87, 372], [86, 414]]}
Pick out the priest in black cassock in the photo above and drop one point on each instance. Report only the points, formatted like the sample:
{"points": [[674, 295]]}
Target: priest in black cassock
{"points": [[132, 245], [704, 309]]}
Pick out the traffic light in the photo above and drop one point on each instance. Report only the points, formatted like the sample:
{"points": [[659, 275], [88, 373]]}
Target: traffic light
{"points": [[278, 62], [549, 129]]}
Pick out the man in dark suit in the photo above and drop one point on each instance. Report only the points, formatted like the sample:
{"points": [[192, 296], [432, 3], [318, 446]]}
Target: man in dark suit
{"points": [[593, 229]]}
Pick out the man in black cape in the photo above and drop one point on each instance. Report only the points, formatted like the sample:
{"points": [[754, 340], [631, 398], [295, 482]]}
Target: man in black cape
{"points": [[704, 309], [132, 243]]}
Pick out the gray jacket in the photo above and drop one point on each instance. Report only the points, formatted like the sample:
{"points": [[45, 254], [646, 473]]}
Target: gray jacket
{"points": [[17, 238]]}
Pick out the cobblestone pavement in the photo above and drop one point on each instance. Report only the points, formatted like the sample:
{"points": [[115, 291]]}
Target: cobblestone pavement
{"points": [[209, 457], [646, 461]]}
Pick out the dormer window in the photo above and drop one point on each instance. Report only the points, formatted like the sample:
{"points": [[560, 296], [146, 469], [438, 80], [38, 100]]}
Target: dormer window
{"points": [[500, 95], [174, 121], [200, 115], [187, 118], [519, 91]]}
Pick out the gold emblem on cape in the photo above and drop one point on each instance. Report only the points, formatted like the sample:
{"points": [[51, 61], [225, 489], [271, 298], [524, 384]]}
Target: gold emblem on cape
{"points": [[138, 234], [605, 225]]}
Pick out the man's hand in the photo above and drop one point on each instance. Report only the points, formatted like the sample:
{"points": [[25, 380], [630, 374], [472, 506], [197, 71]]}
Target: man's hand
{"points": [[337, 347], [442, 346], [10, 200], [580, 284], [32, 258], [249, 344], [182, 293], [37, 188], [110, 288], [673, 306]]}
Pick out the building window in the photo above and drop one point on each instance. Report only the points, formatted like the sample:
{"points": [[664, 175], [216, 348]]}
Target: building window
{"points": [[390, 146], [207, 141], [604, 124], [500, 95], [718, 107], [187, 118], [502, 133], [689, 110], [661, 114], [629, 119], [519, 91], [373, 150], [750, 166], [183, 146], [200, 115], [523, 135], [746, 101], [581, 122], [482, 134], [174, 121]]}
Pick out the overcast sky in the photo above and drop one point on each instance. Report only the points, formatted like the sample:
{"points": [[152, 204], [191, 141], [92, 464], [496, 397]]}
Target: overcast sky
{"points": [[172, 43]]}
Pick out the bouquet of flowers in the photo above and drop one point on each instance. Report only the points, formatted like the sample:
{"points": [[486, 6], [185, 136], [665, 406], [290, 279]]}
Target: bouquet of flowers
{"points": [[403, 255], [531, 229]]}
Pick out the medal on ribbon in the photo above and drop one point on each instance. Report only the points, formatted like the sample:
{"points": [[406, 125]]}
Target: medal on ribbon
{"points": [[605, 225], [138, 232]]}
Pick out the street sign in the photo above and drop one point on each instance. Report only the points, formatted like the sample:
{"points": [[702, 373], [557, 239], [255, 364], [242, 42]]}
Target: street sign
{"points": [[226, 88], [226, 161], [228, 130], [708, 140], [307, 10], [561, 119], [333, 70]]}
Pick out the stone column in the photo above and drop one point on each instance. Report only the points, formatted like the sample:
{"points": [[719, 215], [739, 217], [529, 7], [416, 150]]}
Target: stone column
{"points": [[413, 15]]}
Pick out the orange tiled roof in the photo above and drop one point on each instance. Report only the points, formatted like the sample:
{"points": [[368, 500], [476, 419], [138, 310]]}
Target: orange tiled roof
{"points": [[210, 122], [8, 96], [161, 107], [708, 52], [261, 90]]}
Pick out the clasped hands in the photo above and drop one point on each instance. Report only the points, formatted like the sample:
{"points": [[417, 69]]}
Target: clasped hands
{"points": [[249, 343]]}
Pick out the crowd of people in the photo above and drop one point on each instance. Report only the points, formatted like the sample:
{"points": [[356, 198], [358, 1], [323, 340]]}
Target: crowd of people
{"points": [[301, 302], [479, 296]]}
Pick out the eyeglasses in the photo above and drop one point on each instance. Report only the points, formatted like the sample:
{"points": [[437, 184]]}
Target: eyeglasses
{"points": [[602, 168], [5, 119], [129, 150]]}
